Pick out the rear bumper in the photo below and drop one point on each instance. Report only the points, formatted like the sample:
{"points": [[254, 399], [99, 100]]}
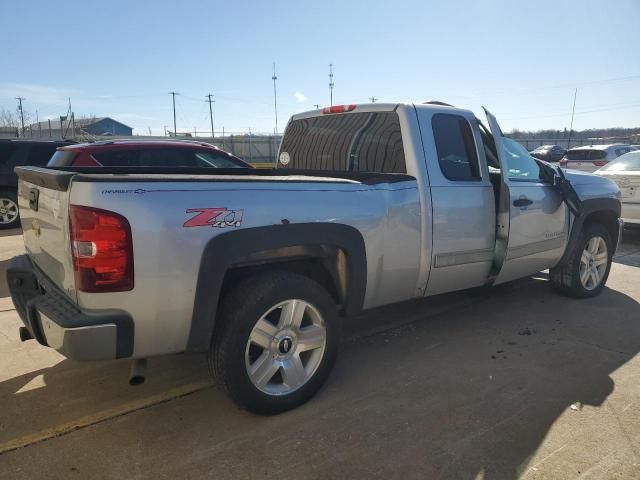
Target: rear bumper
{"points": [[55, 321]]}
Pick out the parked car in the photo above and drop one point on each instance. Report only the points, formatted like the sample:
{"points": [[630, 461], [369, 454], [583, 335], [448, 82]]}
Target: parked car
{"points": [[549, 153], [15, 153], [145, 153], [370, 205], [590, 159], [625, 171]]}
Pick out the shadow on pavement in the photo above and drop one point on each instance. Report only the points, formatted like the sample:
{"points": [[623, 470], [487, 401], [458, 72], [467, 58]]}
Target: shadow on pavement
{"points": [[11, 232], [469, 391]]}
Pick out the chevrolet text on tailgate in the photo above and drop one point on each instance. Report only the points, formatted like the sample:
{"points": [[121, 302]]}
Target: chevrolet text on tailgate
{"points": [[366, 205]]}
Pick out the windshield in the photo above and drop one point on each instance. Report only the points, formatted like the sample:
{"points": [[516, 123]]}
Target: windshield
{"points": [[627, 162]]}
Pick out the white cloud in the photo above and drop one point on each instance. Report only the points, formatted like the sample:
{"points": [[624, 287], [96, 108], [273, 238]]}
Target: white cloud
{"points": [[37, 93], [301, 97]]}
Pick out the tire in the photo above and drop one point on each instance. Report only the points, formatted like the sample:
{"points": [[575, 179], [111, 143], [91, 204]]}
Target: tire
{"points": [[283, 374], [9, 215], [567, 279]]}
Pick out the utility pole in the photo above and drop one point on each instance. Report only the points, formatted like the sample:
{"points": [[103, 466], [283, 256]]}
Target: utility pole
{"points": [[175, 130], [20, 99], [275, 97], [373, 99], [317, 106], [38, 123], [210, 101], [331, 84], [165, 130], [573, 111]]}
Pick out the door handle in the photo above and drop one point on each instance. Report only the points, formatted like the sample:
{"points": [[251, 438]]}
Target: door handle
{"points": [[522, 202]]}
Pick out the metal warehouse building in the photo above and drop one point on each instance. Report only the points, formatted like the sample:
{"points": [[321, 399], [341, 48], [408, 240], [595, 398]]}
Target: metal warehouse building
{"points": [[90, 126]]}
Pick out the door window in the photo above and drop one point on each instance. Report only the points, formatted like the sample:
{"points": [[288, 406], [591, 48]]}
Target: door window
{"points": [[521, 167], [455, 146]]}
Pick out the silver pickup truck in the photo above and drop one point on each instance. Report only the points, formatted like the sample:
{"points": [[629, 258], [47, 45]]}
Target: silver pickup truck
{"points": [[366, 205]]}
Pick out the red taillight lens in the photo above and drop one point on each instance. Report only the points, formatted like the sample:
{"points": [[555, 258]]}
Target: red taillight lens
{"points": [[102, 250], [599, 164], [563, 162], [338, 109]]}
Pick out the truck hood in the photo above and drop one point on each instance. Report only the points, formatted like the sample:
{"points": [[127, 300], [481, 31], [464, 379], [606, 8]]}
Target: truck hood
{"points": [[589, 186]]}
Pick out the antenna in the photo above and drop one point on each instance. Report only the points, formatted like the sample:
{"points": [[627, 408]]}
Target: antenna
{"points": [[573, 111], [331, 84], [175, 129], [210, 102], [275, 96], [20, 99]]}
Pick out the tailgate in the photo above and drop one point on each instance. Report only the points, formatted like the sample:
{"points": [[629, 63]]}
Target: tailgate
{"points": [[43, 199]]}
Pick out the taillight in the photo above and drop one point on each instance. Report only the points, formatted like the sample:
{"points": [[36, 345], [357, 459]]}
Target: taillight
{"points": [[564, 162], [338, 109], [102, 250], [599, 164]]}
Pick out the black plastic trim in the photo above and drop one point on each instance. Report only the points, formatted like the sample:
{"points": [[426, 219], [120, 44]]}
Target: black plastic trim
{"points": [[227, 249], [45, 177], [32, 291]]}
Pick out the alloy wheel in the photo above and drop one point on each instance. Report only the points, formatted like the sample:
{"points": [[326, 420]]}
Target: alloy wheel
{"points": [[285, 347], [8, 211], [593, 263]]}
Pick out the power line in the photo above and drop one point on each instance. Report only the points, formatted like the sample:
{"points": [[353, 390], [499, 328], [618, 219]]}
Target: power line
{"points": [[210, 101], [173, 95]]}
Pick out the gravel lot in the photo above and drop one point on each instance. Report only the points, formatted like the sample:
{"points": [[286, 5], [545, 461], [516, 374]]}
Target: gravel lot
{"points": [[515, 382]]}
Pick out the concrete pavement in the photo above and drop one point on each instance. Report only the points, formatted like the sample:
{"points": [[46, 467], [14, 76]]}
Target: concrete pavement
{"points": [[516, 382]]}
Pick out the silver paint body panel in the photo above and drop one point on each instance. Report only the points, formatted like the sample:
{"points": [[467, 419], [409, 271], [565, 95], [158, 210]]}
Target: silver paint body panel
{"points": [[422, 237]]}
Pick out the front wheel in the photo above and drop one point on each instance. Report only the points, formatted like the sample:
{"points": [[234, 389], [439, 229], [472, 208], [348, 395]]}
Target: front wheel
{"points": [[275, 342], [587, 270]]}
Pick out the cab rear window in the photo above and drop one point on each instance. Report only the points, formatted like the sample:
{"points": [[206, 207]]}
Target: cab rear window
{"points": [[353, 142]]}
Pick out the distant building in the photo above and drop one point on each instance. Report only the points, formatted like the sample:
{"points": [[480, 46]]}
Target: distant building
{"points": [[97, 126]]}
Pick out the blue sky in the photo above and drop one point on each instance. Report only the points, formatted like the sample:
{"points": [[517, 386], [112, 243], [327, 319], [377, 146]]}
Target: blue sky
{"points": [[520, 59]]}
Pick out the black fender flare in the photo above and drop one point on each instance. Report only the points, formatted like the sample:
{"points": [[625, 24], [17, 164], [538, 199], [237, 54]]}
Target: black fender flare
{"points": [[589, 207], [224, 250]]}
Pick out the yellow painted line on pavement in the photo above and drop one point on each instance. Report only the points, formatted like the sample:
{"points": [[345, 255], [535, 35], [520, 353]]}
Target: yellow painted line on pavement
{"points": [[102, 416]]}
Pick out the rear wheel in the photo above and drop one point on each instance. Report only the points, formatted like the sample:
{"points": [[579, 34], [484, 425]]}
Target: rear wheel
{"points": [[9, 215], [275, 342], [587, 270]]}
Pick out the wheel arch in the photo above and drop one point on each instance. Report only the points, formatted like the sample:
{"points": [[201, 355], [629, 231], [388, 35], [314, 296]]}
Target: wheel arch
{"points": [[332, 254], [605, 211]]}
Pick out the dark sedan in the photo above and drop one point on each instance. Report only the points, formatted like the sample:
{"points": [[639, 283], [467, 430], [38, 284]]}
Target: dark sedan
{"points": [[549, 153]]}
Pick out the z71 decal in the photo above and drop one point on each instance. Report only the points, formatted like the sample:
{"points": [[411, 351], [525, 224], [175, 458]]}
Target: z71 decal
{"points": [[214, 217]]}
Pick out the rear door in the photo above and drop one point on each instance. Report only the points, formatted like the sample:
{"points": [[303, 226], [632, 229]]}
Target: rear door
{"points": [[462, 200], [533, 220]]}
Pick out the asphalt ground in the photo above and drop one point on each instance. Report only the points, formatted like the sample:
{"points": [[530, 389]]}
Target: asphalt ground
{"points": [[512, 382]]}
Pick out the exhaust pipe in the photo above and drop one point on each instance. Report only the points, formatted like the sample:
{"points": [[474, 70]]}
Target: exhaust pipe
{"points": [[25, 334], [138, 369]]}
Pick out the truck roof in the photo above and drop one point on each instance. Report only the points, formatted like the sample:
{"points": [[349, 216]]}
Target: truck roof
{"points": [[377, 107]]}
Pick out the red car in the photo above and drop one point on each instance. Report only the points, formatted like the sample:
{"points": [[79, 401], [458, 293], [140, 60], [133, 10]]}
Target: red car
{"points": [[145, 153]]}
